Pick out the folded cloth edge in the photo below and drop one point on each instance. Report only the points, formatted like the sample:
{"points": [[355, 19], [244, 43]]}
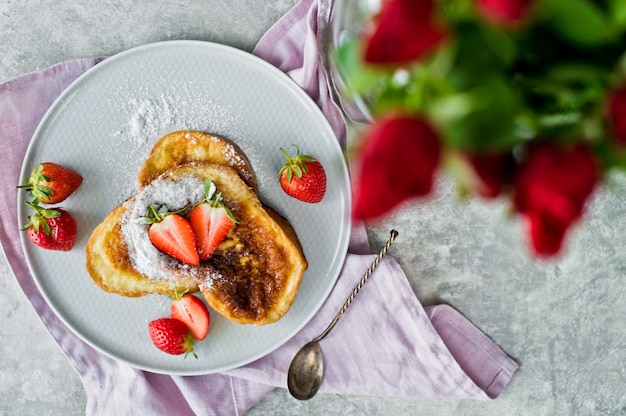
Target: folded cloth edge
{"points": [[455, 328]]}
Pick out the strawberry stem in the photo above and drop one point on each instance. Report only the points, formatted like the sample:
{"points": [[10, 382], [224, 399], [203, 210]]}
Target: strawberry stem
{"points": [[154, 216], [209, 189], [188, 345], [178, 293], [295, 165], [38, 220], [32, 185], [213, 199]]}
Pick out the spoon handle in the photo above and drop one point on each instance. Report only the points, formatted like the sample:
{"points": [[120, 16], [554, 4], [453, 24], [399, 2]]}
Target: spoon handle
{"points": [[358, 287]]}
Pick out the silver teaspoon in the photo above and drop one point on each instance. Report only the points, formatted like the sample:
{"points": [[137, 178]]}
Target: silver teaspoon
{"points": [[307, 367]]}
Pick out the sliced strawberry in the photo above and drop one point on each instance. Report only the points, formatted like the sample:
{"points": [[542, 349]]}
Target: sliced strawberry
{"points": [[172, 336], [192, 312], [303, 177], [211, 226], [52, 229], [211, 221], [51, 183], [172, 234]]}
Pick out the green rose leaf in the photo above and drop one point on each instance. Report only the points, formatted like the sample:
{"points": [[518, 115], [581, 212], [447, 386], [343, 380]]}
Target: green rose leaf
{"points": [[581, 21], [480, 118]]}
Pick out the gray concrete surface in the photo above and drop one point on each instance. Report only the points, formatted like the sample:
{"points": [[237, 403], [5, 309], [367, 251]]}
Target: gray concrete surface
{"points": [[562, 320]]}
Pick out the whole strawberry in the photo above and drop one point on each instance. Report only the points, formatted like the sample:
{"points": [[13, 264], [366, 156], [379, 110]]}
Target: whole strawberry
{"points": [[303, 177], [52, 229], [51, 183], [172, 336]]}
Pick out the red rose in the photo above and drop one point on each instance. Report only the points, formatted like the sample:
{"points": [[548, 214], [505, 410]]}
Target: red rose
{"points": [[398, 161], [551, 188], [493, 171], [616, 103], [405, 30], [504, 11]]}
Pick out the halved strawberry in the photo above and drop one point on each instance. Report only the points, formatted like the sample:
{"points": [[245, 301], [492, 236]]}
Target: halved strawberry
{"points": [[172, 234], [51, 183], [303, 177], [172, 336], [192, 312], [210, 221], [52, 229]]}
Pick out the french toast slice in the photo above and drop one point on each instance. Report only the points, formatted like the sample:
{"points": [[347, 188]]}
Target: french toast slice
{"points": [[254, 274], [260, 289], [251, 278], [110, 266], [107, 253], [186, 146]]}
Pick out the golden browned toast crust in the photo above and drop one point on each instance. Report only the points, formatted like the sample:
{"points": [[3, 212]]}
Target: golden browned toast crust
{"points": [[111, 268], [186, 146], [254, 274], [251, 278]]}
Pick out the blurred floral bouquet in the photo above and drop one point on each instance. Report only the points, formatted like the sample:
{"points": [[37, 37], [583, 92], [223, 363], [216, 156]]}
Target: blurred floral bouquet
{"points": [[523, 99]]}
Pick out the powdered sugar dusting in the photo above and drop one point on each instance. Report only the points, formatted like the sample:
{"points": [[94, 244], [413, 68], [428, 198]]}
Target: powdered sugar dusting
{"points": [[235, 160], [150, 116], [175, 195]]}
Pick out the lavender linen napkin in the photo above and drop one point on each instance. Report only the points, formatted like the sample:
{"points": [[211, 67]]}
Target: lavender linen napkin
{"points": [[422, 353]]}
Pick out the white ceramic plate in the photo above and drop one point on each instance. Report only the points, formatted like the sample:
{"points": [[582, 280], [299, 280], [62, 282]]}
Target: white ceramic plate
{"points": [[103, 127]]}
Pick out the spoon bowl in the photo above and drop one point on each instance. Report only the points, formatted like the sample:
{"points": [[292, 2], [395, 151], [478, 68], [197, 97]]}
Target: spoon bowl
{"points": [[307, 367], [305, 372]]}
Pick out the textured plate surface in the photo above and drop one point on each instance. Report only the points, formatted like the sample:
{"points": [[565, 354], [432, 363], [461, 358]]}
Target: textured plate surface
{"points": [[103, 127]]}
